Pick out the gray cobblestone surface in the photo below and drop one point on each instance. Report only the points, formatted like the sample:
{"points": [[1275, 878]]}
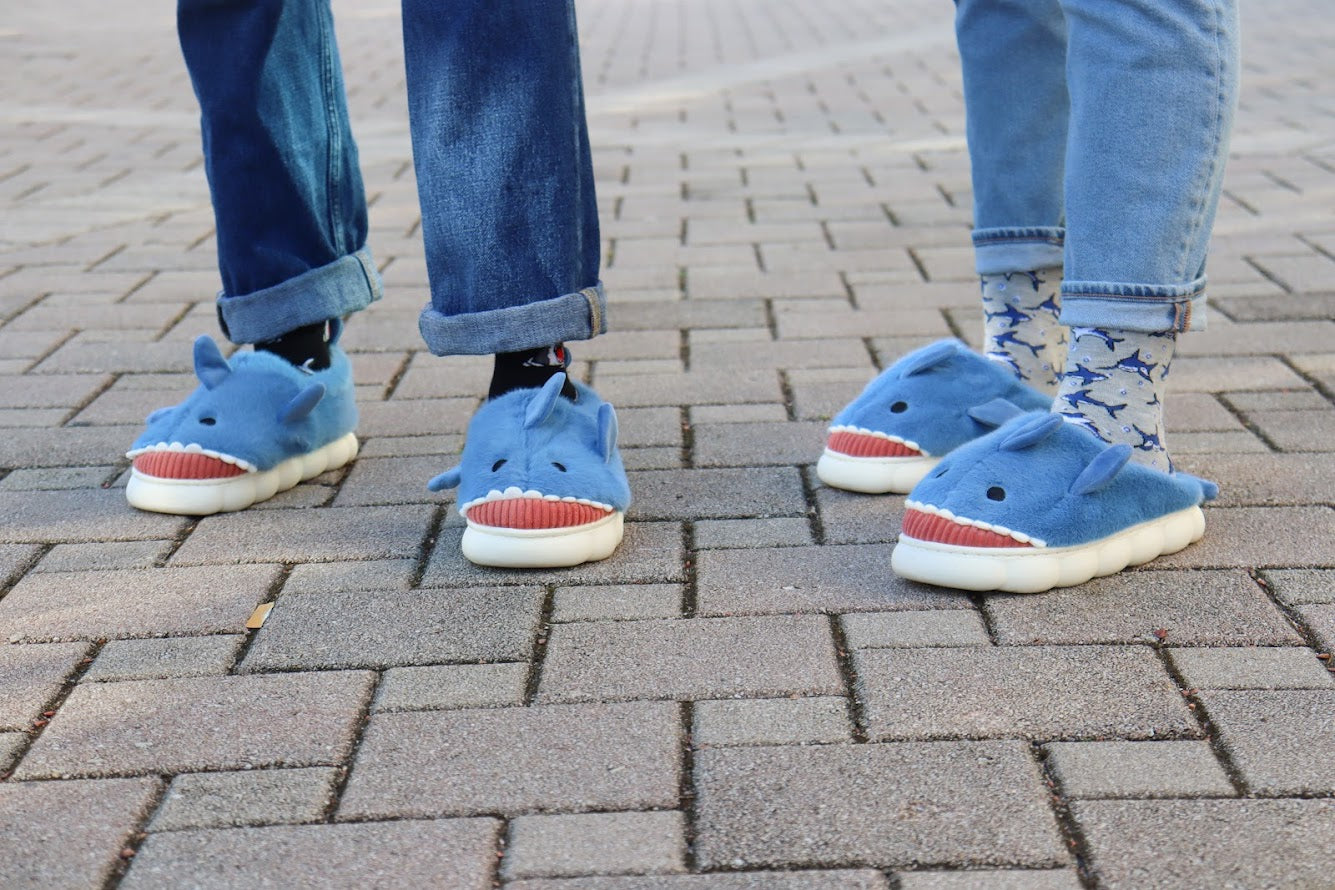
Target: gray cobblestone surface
{"points": [[744, 696]]}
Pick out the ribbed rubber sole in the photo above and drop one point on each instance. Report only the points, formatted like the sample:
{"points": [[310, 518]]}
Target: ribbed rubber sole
{"points": [[202, 497], [873, 475], [1038, 569], [545, 548]]}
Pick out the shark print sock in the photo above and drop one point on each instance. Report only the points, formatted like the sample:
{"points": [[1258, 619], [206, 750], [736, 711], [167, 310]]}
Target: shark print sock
{"points": [[1020, 327], [1113, 386]]}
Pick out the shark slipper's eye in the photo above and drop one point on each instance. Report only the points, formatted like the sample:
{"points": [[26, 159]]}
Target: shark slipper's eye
{"points": [[899, 407], [561, 467], [996, 493], [496, 466], [939, 473], [208, 421]]}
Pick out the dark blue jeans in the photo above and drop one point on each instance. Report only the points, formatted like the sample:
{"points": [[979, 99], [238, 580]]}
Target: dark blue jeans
{"points": [[500, 146]]}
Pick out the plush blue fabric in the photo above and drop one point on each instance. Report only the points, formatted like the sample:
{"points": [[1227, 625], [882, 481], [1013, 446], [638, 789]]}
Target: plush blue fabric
{"points": [[1058, 483], [258, 407], [936, 389], [533, 439]]}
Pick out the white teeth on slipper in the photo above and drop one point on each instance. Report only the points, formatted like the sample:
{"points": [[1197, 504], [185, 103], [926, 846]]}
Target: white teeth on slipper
{"points": [[877, 434], [975, 523], [514, 493]]}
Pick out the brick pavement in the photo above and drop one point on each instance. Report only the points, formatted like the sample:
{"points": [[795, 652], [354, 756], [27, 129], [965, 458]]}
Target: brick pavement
{"points": [[744, 697]]}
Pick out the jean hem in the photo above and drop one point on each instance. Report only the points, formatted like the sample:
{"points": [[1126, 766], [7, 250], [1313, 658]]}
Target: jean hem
{"points": [[1017, 249], [346, 285], [581, 315], [1149, 308]]}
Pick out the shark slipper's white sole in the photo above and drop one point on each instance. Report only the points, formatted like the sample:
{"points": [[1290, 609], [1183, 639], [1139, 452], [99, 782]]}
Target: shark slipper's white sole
{"points": [[202, 497]]}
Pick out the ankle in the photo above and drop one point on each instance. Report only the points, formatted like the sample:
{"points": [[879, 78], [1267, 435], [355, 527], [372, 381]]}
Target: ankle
{"points": [[305, 347], [529, 369]]}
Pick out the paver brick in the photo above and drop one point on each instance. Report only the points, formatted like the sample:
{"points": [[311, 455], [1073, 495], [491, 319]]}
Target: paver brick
{"points": [[936, 627], [771, 721], [994, 879], [1265, 479], [689, 658], [832, 879], [1186, 844], [98, 556], [140, 603], [330, 577], [853, 578], [77, 515], [306, 535], [30, 676], [437, 687], [68, 834], [1297, 587], [549, 759], [1279, 740], [935, 803], [378, 629], [1047, 692], [1256, 537], [595, 843], [110, 729], [1321, 621], [620, 602], [726, 534], [717, 493], [156, 659], [11, 743], [1288, 667], [454, 853], [249, 797], [1187, 608], [1138, 769]]}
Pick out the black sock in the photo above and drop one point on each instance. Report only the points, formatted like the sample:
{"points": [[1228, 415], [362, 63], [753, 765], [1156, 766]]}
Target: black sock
{"points": [[530, 369], [305, 347]]}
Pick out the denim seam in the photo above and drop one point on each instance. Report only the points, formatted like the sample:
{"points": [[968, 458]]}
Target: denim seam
{"points": [[1198, 196], [333, 154], [1134, 298], [595, 310]]}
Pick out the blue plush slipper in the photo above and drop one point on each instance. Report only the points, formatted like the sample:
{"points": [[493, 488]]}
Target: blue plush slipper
{"points": [[922, 407], [1040, 503], [540, 482], [254, 427]]}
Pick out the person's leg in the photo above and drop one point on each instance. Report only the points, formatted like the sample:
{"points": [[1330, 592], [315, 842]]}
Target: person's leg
{"points": [[505, 179], [931, 401], [291, 224], [281, 164], [1013, 58], [1153, 85], [509, 221]]}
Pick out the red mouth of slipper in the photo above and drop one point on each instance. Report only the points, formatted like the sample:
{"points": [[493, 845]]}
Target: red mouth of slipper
{"points": [[862, 445], [940, 530], [184, 465], [533, 513]]}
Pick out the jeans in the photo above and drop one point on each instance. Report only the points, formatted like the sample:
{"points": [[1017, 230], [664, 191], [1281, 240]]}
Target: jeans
{"points": [[504, 173], [1097, 133]]}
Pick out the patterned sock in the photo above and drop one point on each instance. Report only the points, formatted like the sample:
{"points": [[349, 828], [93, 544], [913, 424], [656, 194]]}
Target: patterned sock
{"points": [[530, 369], [305, 347], [1113, 387], [1020, 326]]}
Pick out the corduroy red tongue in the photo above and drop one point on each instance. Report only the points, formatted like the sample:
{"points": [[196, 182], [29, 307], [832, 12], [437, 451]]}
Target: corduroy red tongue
{"points": [[862, 445], [533, 513], [184, 465], [938, 529]]}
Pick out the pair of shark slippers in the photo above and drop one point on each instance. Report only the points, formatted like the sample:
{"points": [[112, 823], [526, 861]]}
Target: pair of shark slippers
{"points": [[1002, 494], [541, 483]]}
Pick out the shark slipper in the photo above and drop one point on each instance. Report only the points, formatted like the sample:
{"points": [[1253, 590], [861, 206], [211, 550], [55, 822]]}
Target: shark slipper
{"points": [[540, 481], [255, 426], [919, 409], [1040, 503]]}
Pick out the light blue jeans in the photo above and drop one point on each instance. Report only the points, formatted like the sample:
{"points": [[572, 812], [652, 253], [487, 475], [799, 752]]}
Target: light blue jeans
{"points": [[1097, 133], [504, 174]]}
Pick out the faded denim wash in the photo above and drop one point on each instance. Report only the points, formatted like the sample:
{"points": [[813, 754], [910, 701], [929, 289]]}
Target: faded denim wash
{"points": [[504, 173], [1097, 132]]}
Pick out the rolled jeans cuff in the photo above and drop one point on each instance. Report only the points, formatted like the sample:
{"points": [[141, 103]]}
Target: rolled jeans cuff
{"points": [[1149, 308], [578, 316], [997, 251], [347, 284]]}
